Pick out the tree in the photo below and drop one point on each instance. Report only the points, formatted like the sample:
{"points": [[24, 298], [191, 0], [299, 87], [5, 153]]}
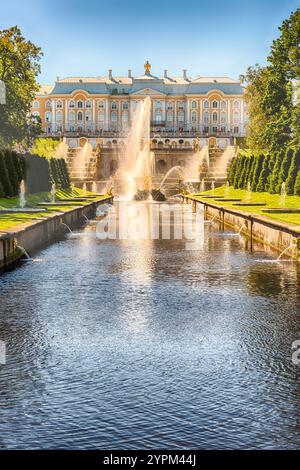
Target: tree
{"points": [[19, 68], [4, 176], [293, 171], [284, 169], [274, 178], [297, 185], [257, 171], [263, 177]]}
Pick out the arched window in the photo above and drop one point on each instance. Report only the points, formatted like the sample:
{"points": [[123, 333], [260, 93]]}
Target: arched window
{"points": [[48, 116], [236, 104], [170, 105], [48, 104], [36, 104], [59, 104], [214, 104], [59, 116], [100, 104], [206, 104], [125, 116], [194, 104], [180, 105], [223, 117], [181, 117], [125, 105], [223, 104], [114, 105], [79, 104], [88, 104], [206, 117], [79, 116], [72, 104], [158, 117], [88, 116], [101, 116], [170, 116], [158, 104], [215, 117], [236, 117], [72, 116], [114, 116], [194, 116]]}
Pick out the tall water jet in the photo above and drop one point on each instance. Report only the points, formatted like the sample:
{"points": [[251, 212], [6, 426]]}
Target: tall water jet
{"points": [[22, 199], [226, 157], [282, 195], [213, 187], [227, 189], [248, 194], [94, 187], [62, 149], [202, 186], [53, 192]]}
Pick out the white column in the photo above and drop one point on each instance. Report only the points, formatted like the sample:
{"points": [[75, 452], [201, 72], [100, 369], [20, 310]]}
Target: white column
{"points": [[201, 115], [187, 117], [175, 114], [242, 118], [164, 110], [93, 115], [107, 114], [53, 122], [229, 121], [66, 103]]}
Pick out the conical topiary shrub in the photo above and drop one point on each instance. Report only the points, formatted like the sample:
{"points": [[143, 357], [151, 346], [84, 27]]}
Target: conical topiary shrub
{"points": [[293, 171]]}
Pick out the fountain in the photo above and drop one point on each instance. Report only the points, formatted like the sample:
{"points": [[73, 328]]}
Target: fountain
{"points": [[94, 187], [227, 189], [53, 193], [62, 149], [282, 195], [213, 187], [202, 186], [248, 194], [22, 200]]}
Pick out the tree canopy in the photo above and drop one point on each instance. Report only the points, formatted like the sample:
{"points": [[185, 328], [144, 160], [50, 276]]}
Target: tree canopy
{"points": [[19, 68]]}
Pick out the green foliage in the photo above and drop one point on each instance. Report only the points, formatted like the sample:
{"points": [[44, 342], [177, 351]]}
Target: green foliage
{"points": [[45, 146], [284, 169], [262, 184], [7, 187], [273, 116], [293, 171], [297, 185], [19, 68], [274, 174], [257, 171]]}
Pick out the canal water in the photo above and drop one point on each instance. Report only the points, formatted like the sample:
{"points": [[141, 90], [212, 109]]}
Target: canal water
{"points": [[141, 343]]}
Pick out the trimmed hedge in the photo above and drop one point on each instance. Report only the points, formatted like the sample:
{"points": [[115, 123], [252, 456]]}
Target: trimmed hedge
{"points": [[38, 172], [266, 173]]}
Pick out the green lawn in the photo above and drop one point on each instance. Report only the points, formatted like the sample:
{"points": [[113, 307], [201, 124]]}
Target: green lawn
{"points": [[9, 221], [271, 200]]}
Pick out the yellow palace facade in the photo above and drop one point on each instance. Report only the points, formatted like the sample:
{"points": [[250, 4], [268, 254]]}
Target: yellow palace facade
{"points": [[103, 106]]}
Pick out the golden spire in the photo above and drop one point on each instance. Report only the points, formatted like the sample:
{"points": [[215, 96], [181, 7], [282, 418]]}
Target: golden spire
{"points": [[147, 67]]}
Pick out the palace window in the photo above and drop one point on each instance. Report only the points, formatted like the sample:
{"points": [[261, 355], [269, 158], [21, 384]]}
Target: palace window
{"points": [[170, 116], [158, 117], [88, 116], [215, 129], [214, 104], [223, 129], [180, 105], [125, 105], [72, 104], [158, 104], [206, 129], [236, 117], [79, 104], [236, 130], [194, 117], [181, 117], [114, 105], [170, 105], [48, 116], [215, 117], [114, 116], [48, 104], [206, 117], [223, 117], [125, 116], [36, 104], [59, 116], [79, 116], [72, 116], [236, 104], [206, 104], [101, 116], [59, 104], [88, 104], [194, 104], [100, 104], [223, 104]]}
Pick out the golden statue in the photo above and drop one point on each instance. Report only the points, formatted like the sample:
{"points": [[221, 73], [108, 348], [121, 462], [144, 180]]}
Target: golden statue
{"points": [[147, 67]]}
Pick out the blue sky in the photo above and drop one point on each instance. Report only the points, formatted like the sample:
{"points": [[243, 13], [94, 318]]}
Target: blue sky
{"points": [[87, 37]]}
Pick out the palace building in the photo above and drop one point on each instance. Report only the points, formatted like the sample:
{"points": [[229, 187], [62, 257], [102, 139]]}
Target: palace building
{"points": [[104, 106]]}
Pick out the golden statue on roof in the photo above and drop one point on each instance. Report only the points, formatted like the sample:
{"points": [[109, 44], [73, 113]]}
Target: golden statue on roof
{"points": [[147, 67]]}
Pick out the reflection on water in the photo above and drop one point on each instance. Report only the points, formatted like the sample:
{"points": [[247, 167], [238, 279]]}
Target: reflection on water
{"points": [[144, 344]]}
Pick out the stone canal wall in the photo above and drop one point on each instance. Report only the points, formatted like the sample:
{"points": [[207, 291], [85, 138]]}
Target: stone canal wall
{"points": [[271, 233], [43, 232]]}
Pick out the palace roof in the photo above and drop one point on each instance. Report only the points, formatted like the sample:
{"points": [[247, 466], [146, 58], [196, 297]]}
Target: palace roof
{"points": [[125, 85]]}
